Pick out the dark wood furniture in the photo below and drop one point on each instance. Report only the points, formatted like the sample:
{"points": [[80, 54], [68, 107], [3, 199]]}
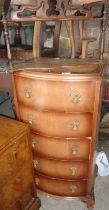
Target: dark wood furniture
{"points": [[60, 99], [17, 187]]}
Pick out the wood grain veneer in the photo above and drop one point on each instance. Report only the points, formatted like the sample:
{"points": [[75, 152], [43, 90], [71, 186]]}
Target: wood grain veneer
{"points": [[60, 101], [16, 168]]}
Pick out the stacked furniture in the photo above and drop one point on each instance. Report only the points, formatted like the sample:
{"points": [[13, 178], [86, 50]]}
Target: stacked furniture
{"points": [[17, 187], [60, 101]]}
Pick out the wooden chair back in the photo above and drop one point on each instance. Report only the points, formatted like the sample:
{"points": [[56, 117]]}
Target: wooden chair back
{"points": [[64, 10]]}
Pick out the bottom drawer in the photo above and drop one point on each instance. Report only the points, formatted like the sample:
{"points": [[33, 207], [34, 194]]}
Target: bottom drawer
{"points": [[61, 187]]}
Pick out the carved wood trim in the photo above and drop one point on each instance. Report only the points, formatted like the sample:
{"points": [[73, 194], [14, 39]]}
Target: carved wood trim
{"points": [[64, 10]]}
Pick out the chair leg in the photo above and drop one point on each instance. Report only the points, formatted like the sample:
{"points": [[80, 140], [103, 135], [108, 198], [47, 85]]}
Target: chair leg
{"points": [[36, 39], [56, 36], [70, 29]]}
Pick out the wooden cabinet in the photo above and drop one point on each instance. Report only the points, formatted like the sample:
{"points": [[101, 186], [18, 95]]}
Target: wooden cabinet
{"points": [[16, 168], [60, 101]]}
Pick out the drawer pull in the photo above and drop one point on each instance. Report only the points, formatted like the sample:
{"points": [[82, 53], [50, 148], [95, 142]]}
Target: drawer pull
{"points": [[34, 143], [27, 93], [76, 96], [36, 163], [73, 188], [74, 149], [30, 119], [73, 171], [75, 125], [37, 181]]}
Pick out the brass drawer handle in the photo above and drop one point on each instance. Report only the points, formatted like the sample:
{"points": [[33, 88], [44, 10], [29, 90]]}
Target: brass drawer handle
{"points": [[30, 119], [74, 149], [36, 163], [27, 93], [75, 124], [73, 188], [73, 171], [76, 96], [34, 143], [37, 181]]}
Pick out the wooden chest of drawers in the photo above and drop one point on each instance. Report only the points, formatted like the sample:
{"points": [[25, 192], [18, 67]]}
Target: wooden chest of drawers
{"points": [[17, 188], [60, 101]]}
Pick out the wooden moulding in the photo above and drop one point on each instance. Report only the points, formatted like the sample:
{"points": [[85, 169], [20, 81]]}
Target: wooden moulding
{"points": [[64, 10]]}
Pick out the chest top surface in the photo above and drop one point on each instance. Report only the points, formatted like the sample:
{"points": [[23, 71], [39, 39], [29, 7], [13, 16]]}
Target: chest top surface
{"points": [[59, 67]]}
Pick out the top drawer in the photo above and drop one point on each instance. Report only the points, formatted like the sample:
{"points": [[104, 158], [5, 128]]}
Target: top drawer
{"points": [[55, 95]]}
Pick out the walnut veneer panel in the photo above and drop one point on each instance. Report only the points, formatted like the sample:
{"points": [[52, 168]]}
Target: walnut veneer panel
{"points": [[65, 96], [60, 148], [14, 158], [16, 167], [57, 124], [61, 187], [17, 187], [60, 100], [61, 169]]}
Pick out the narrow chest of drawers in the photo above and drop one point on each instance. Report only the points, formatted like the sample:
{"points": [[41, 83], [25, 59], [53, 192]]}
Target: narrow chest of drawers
{"points": [[16, 168], [61, 105]]}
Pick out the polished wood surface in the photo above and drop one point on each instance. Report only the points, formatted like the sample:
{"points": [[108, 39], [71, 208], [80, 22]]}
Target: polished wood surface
{"points": [[53, 67], [19, 186], [7, 161], [16, 168], [38, 94], [63, 124], [61, 187], [61, 169], [57, 124], [60, 148]]}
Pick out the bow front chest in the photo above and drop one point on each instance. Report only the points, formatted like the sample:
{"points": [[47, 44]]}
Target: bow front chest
{"points": [[60, 101]]}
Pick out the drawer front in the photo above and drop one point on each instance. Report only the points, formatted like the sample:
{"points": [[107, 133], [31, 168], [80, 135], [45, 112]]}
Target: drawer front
{"points": [[15, 157], [14, 191], [58, 124], [61, 187], [64, 95], [61, 169], [61, 149]]}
